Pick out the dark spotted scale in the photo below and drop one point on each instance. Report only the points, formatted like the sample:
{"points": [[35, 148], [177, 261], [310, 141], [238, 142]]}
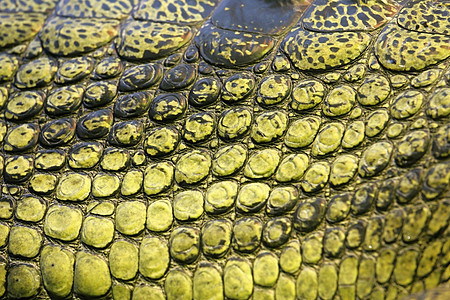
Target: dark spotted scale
{"points": [[224, 149]]}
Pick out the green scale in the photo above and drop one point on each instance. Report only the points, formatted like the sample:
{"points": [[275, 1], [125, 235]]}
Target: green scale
{"points": [[234, 149]]}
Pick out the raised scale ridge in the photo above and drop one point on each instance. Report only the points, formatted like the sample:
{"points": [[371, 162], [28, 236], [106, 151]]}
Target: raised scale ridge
{"points": [[234, 149]]}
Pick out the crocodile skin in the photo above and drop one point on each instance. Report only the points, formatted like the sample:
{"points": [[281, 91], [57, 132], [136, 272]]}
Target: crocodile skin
{"points": [[206, 149]]}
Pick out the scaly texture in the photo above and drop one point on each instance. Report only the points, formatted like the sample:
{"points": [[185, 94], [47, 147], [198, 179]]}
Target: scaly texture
{"points": [[224, 149]]}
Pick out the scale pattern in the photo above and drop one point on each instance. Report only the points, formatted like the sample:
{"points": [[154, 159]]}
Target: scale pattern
{"points": [[205, 149]]}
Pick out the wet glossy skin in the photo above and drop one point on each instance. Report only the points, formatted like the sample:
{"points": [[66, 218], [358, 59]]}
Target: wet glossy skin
{"points": [[224, 149]]}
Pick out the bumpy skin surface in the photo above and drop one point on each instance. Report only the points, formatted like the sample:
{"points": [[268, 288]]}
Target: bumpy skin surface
{"points": [[168, 149]]}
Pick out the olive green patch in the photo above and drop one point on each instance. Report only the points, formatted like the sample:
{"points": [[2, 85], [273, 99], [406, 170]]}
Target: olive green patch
{"points": [[307, 94], [265, 269], [178, 285], [57, 270], [262, 164], [123, 260], [43, 183], [322, 51], [91, 275], [19, 27], [159, 216], [67, 36], [307, 284], [24, 105], [167, 38], [316, 177], [97, 232], [216, 237], [73, 187], [228, 160], [273, 89], [234, 123], [30, 209], [376, 122], [290, 258], [354, 135], [247, 234], [328, 139], [132, 182], [238, 279], [292, 167], [105, 185], [63, 222], [130, 217], [153, 257], [207, 283], [198, 127], [24, 241], [252, 197], [8, 66], [192, 167], [312, 248], [339, 101], [188, 205], [158, 177], [396, 48], [185, 244], [23, 281], [220, 196], [269, 126]]}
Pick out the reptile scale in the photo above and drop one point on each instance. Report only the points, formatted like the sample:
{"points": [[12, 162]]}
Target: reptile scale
{"points": [[234, 149]]}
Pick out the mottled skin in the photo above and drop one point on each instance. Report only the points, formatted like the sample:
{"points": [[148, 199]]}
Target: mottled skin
{"points": [[273, 149]]}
